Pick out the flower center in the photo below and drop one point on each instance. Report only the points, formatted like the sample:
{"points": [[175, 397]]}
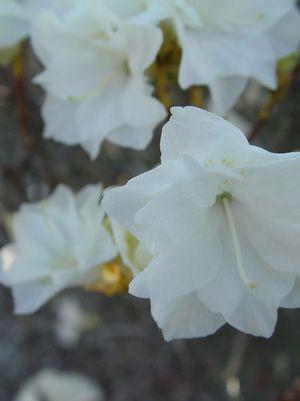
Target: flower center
{"points": [[225, 198]]}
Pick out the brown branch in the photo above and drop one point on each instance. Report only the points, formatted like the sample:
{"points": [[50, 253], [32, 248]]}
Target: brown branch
{"points": [[18, 88], [275, 97]]}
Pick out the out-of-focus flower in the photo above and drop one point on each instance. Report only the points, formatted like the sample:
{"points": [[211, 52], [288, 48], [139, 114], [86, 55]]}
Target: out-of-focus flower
{"points": [[225, 245], [58, 242], [94, 77], [72, 320], [225, 42], [51, 385]]}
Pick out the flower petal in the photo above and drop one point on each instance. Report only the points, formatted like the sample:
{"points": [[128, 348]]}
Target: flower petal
{"points": [[29, 297], [259, 320], [185, 317], [208, 135]]}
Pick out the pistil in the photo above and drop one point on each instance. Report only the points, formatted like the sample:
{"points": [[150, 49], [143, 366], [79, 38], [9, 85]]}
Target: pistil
{"points": [[236, 243]]}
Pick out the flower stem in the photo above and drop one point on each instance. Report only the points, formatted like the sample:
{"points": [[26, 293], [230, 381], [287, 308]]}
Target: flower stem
{"points": [[237, 248]]}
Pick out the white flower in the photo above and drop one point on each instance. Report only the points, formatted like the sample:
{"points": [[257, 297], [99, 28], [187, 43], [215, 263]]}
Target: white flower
{"points": [[94, 77], [222, 221], [53, 385], [58, 242], [224, 43]]}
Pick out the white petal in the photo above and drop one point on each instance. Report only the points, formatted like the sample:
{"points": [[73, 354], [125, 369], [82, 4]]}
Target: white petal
{"points": [[92, 147], [185, 267], [276, 240], [143, 43], [272, 221], [123, 203], [249, 16], [14, 24], [96, 249], [60, 121], [12, 30], [46, 33], [185, 317], [139, 285], [225, 92], [174, 212], [224, 294], [132, 253], [29, 297], [88, 199], [138, 107], [292, 300], [226, 54], [208, 135], [285, 34], [280, 171], [97, 117], [254, 316], [131, 137]]}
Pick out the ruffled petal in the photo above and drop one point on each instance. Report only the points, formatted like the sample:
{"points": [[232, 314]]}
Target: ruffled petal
{"points": [[185, 317]]}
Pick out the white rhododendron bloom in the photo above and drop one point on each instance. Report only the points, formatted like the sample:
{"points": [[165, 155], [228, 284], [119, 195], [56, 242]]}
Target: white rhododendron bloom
{"points": [[222, 221], [226, 42], [51, 385], [94, 77], [58, 242]]}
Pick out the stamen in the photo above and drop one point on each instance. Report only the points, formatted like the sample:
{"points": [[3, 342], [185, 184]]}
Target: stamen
{"points": [[238, 254]]}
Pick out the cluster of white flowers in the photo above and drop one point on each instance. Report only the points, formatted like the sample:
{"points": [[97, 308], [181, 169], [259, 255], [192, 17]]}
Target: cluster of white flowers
{"points": [[96, 53], [212, 234]]}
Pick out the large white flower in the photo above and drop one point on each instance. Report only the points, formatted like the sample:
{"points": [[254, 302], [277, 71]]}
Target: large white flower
{"points": [[58, 242], [222, 221], [51, 385], [94, 77], [226, 42]]}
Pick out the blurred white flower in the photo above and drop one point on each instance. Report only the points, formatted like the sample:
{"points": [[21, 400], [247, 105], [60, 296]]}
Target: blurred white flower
{"points": [[59, 242], [51, 385], [72, 320], [94, 77], [221, 219], [225, 42]]}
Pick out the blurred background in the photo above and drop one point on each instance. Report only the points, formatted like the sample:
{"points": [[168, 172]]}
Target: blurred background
{"points": [[114, 340]]}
